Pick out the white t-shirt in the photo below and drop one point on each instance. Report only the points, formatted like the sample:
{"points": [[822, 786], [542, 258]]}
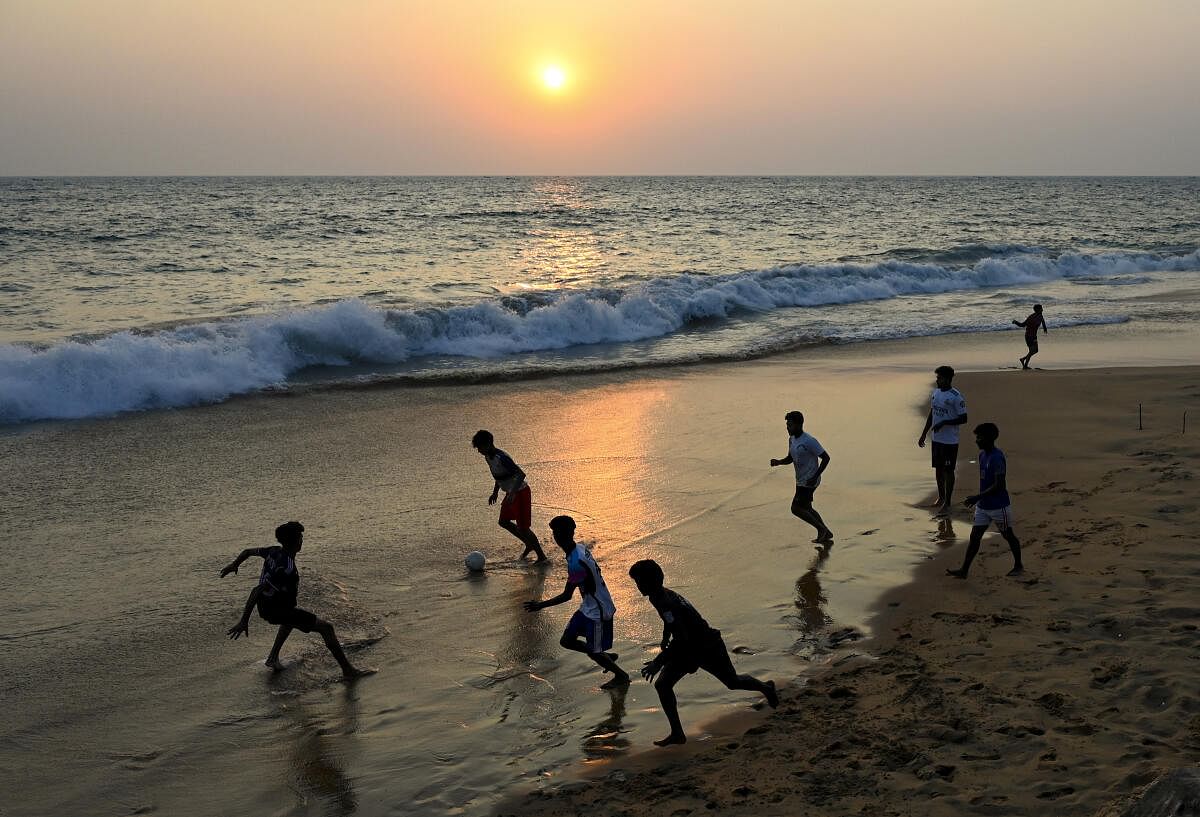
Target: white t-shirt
{"points": [[806, 457], [947, 405], [582, 570]]}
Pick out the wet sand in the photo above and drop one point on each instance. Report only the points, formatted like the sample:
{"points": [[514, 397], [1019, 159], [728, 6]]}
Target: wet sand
{"points": [[1063, 691], [123, 695]]}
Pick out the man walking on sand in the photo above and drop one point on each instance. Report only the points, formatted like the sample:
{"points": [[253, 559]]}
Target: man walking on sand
{"points": [[590, 630], [947, 411], [516, 511], [991, 503], [1031, 325], [688, 644], [810, 461], [275, 597]]}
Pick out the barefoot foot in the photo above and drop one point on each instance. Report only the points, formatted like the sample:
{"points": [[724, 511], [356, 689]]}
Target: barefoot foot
{"points": [[621, 680], [671, 739], [1016, 571], [958, 574], [772, 695], [352, 673]]}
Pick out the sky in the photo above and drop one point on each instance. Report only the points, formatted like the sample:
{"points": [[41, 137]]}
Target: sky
{"points": [[147, 87]]}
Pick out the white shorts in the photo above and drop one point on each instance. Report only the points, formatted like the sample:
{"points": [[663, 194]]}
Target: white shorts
{"points": [[1001, 516]]}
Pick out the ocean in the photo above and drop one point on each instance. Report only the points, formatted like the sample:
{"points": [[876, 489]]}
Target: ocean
{"points": [[186, 363], [131, 294]]}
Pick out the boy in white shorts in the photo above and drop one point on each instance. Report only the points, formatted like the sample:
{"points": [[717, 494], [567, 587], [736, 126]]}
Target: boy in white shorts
{"points": [[991, 503]]}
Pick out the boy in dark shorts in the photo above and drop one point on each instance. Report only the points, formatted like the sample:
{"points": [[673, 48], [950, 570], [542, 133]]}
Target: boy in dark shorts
{"points": [[275, 597], [688, 644], [991, 503], [810, 460], [590, 630], [516, 511], [1031, 325], [947, 411]]}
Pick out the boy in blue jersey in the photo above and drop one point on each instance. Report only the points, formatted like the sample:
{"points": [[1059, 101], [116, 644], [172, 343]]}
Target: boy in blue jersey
{"points": [[688, 644], [590, 630], [991, 503], [275, 597]]}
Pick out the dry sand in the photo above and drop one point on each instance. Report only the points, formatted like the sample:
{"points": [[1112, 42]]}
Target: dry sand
{"points": [[1064, 691]]}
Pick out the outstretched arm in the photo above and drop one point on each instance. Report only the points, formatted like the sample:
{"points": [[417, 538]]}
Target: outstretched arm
{"points": [[243, 625], [233, 566], [568, 591]]}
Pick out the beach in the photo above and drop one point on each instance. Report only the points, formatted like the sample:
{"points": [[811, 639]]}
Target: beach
{"points": [[118, 668], [1065, 690]]}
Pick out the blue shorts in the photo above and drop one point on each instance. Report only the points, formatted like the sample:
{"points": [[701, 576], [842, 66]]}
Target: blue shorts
{"points": [[597, 633]]}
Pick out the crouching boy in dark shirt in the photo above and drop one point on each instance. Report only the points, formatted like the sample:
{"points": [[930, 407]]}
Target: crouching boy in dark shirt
{"points": [[688, 644]]}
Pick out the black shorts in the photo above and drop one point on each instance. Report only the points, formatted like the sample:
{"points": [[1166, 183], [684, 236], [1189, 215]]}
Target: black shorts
{"points": [[945, 455], [1031, 343], [804, 495], [295, 617], [712, 657]]}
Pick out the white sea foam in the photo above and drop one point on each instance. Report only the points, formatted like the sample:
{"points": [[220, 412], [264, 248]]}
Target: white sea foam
{"points": [[209, 362]]}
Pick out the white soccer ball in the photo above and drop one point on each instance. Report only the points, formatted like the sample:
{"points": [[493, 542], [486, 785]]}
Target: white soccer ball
{"points": [[475, 561]]}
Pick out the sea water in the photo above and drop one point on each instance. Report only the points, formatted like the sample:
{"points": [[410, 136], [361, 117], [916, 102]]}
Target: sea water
{"points": [[129, 294], [367, 327]]}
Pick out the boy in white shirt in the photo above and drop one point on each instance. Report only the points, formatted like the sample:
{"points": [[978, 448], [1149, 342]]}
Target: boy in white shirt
{"points": [[947, 411], [810, 461]]}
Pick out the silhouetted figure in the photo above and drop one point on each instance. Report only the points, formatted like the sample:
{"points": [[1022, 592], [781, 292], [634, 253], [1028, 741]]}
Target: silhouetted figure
{"points": [[275, 596], [1031, 325], [516, 510], [947, 411], [590, 630], [810, 461], [688, 644], [991, 503]]}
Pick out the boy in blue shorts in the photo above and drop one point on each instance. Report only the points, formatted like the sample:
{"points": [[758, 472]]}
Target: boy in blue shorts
{"points": [[991, 503], [688, 644], [275, 597], [590, 630]]}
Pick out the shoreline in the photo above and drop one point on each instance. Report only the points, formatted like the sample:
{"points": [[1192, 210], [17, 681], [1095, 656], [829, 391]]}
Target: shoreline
{"points": [[1066, 688]]}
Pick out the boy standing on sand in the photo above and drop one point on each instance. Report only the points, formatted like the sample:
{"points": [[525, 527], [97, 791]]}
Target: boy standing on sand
{"points": [[516, 511], [810, 460], [1031, 325], [947, 411], [590, 630], [275, 597], [688, 644], [991, 503]]}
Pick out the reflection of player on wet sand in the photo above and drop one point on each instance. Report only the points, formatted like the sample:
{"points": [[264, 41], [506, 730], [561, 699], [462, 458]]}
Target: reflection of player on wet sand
{"points": [[516, 509], [605, 738], [810, 600], [590, 630], [688, 644], [991, 503], [275, 596]]}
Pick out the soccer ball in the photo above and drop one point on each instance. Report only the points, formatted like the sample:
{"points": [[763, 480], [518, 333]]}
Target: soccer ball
{"points": [[475, 561]]}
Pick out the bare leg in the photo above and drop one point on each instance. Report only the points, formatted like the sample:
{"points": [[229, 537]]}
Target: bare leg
{"points": [[945, 488], [527, 537], [809, 514], [972, 549], [941, 486], [1015, 546], [665, 686], [273, 659], [607, 660], [331, 642]]}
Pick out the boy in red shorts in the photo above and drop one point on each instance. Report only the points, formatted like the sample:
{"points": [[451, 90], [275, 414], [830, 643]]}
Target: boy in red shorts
{"points": [[516, 509]]}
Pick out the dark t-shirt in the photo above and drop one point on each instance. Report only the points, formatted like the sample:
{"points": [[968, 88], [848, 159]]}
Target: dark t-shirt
{"points": [[1032, 324], [280, 578], [992, 465], [689, 632]]}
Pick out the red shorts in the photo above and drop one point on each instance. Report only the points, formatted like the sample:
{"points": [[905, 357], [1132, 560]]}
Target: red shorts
{"points": [[518, 508]]}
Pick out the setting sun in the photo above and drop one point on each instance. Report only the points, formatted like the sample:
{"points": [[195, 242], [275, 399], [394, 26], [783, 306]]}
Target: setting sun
{"points": [[554, 77]]}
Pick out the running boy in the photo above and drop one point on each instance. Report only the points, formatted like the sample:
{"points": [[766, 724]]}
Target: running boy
{"points": [[688, 644], [810, 461], [275, 597], [590, 630], [991, 503], [516, 510], [947, 411], [1031, 325]]}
